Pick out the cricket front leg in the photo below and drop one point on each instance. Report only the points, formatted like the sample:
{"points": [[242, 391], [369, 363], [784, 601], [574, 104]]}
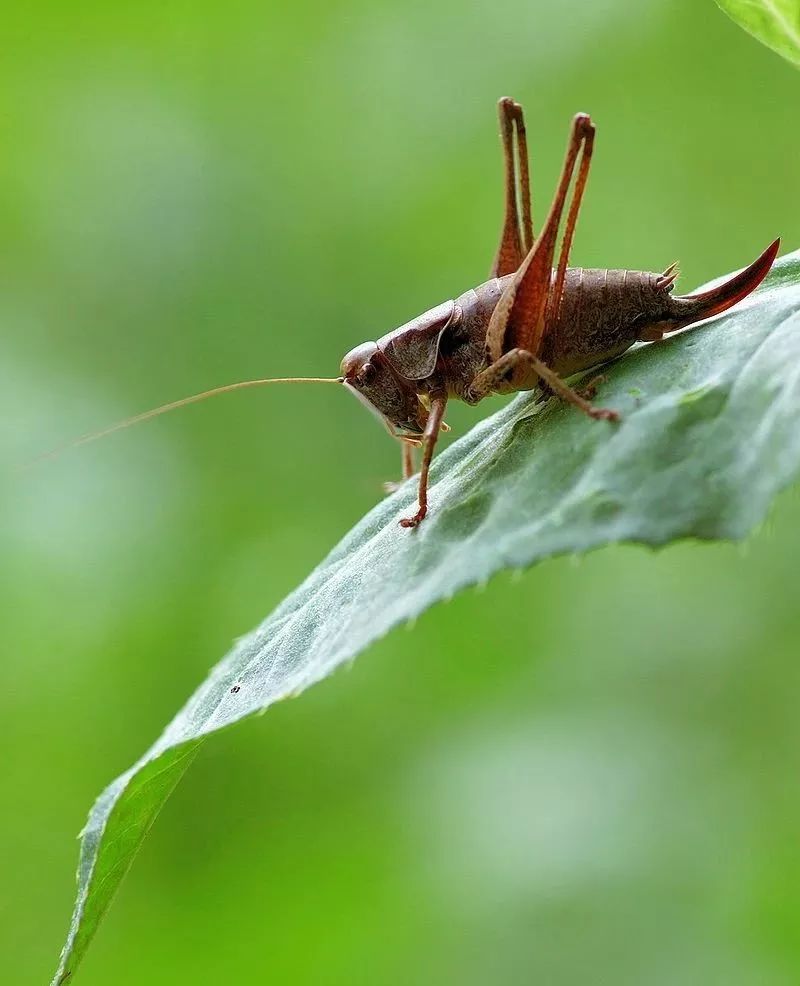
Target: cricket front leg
{"points": [[432, 428], [407, 461], [519, 369]]}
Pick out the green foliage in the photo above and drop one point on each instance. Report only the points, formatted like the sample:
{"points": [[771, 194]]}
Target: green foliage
{"points": [[709, 436], [776, 23], [493, 796]]}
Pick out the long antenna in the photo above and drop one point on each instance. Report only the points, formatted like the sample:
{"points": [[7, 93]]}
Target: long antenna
{"points": [[173, 406]]}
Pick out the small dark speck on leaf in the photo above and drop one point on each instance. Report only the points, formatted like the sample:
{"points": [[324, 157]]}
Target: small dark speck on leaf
{"points": [[235, 689]]}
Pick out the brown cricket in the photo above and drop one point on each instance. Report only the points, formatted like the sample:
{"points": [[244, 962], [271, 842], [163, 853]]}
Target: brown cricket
{"points": [[531, 325]]}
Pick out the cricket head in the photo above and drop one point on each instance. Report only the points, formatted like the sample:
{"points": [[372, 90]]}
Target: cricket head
{"points": [[368, 373], [386, 375]]}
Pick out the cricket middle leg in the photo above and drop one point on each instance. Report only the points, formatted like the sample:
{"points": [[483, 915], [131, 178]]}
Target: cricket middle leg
{"points": [[518, 370]]}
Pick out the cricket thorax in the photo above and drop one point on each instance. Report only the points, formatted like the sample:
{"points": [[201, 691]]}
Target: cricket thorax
{"points": [[462, 350]]}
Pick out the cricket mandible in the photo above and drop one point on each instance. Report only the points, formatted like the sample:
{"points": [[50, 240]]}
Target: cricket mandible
{"points": [[534, 323]]}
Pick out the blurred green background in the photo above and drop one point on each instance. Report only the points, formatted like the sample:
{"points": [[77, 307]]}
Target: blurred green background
{"points": [[586, 774]]}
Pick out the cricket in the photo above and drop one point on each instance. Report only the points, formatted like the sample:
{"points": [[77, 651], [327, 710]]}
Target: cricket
{"points": [[532, 325]]}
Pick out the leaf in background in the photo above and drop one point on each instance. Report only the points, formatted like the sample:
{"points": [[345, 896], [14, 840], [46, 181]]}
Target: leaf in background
{"points": [[710, 433], [776, 23]]}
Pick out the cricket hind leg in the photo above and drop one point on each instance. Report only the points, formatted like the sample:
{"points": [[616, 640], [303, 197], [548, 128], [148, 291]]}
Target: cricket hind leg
{"points": [[516, 237], [557, 287], [533, 296], [519, 369], [532, 300]]}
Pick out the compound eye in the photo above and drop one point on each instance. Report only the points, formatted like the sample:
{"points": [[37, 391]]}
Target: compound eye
{"points": [[366, 375]]}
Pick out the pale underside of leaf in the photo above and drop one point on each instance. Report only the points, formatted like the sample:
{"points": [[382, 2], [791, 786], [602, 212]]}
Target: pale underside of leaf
{"points": [[710, 432], [776, 23]]}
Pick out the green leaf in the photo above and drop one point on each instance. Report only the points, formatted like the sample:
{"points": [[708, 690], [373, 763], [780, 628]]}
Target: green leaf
{"points": [[710, 433], [776, 23]]}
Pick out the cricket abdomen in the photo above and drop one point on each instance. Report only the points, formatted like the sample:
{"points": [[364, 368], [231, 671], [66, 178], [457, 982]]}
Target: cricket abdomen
{"points": [[602, 313]]}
